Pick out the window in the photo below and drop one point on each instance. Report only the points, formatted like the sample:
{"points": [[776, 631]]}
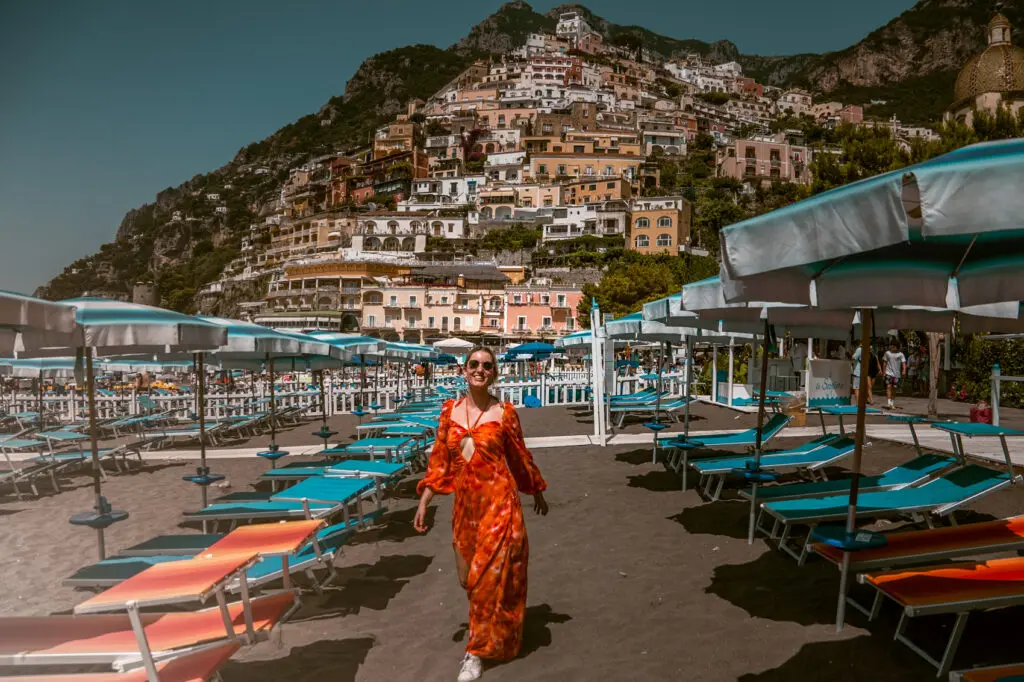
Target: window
{"points": [[643, 222], [611, 185], [547, 126], [732, 153], [545, 299], [750, 171], [608, 170], [393, 301], [561, 170], [542, 169], [412, 301], [664, 221], [560, 299], [521, 322], [545, 323], [517, 299], [501, 120], [371, 321], [444, 300], [430, 323], [492, 322], [751, 153], [456, 323], [577, 149], [664, 240], [570, 323], [642, 241], [773, 156], [547, 203], [556, 148], [775, 173], [453, 188], [593, 188]]}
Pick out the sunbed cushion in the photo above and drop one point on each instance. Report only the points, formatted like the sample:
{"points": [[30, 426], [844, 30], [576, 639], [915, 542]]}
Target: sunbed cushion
{"points": [[936, 540], [959, 485], [780, 460], [956, 583]]}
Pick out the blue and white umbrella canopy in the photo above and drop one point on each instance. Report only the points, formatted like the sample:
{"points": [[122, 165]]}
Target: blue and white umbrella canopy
{"points": [[946, 233], [581, 338], [351, 343], [117, 328], [27, 323], [34, 368], [534, 349]]}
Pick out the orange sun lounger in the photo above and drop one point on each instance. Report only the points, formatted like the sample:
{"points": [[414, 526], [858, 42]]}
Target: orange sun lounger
{"points": [[994, 674], [110, 639], [936, 544], [201, 666], [955, 588]]}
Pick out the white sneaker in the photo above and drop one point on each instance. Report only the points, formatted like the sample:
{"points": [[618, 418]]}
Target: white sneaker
{"points": [[472, 668]]}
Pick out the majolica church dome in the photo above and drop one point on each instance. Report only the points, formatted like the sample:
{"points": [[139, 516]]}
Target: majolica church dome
{"points": [[992, 77]]}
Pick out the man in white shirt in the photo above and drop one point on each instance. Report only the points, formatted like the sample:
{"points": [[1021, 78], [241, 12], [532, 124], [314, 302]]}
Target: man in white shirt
{"points": [[895, 368]]}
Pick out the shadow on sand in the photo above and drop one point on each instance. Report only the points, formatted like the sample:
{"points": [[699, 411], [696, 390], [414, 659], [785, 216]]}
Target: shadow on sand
{"points": [[335, 660], [656, 481], [536, 633], [728, 519], [775, 588], [394, 527], [361, 586], [867, 657]]}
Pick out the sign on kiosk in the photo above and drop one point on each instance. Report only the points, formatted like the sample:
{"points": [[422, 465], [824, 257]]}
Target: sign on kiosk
{"points": [[828, 383]]}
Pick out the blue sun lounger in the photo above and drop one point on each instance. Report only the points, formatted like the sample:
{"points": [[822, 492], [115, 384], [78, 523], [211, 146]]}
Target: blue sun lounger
{"points": [[668, 405], [373, 447], [314, 498], [679, 458], [915, 472], [188, 544], [811, 457], [939, 497]]}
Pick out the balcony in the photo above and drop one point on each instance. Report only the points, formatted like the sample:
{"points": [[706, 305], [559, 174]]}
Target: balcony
{"points": [[392, 304], [751, 160], [465, 309], [776, 163], [352, 291], [492, 311], [350, 307], [560, 305], [521, 330]]}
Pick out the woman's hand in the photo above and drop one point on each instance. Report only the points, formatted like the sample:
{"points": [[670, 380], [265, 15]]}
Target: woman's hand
{"points": [[540, 505], [419, 522]]}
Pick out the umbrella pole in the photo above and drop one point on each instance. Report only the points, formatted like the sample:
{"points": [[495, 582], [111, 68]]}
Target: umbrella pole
{"points": [[323, 402], [94, 444], [866, 320], [201, 413], [273, 404], [760, 425], [657, 401], [689, 379], [41, 422]]}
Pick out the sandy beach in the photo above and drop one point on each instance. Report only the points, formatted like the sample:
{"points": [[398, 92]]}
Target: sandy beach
{"points": [[630, 579]]}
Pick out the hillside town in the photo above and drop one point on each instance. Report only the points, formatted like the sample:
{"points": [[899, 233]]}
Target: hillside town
{"points": [[563, 136]]}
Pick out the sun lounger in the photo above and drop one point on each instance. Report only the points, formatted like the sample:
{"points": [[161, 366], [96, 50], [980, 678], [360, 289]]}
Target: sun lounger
{"points": [[959, 588], [314, 498], [679, 458], [1006, 673], [188, 544], [915, 472], [939, 497], [928, 546], [299, 471], [811, 457], [373, 447], [668, 406], [200, 665]]}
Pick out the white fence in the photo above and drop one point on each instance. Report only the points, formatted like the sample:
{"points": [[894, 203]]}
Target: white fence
{"points": [[343, 395]]}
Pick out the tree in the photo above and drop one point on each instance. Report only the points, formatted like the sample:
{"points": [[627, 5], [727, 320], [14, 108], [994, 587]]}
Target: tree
{"points": [[637, 279]]}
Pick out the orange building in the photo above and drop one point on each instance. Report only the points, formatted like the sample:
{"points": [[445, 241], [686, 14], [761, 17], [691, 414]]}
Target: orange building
{"points": [[659, 225]]}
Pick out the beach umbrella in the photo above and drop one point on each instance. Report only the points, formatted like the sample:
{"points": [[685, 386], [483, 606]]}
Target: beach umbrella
{"points": [[453, 345], [532, 349], [948, 232], [27, 323], [38, 369], [105, 327]]}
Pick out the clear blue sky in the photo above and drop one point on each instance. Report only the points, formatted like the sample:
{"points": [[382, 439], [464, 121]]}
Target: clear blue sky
{"points": [[106, 103]]}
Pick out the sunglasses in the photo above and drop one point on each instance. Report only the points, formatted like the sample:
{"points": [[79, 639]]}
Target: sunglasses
{"points": [[488, 366]]}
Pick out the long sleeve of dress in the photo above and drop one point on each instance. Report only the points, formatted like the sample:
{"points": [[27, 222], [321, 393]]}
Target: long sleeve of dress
{"points": [[440, 475], [519, 460]]}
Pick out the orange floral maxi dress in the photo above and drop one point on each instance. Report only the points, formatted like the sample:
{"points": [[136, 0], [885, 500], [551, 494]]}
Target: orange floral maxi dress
{"points": [[488, 531]]}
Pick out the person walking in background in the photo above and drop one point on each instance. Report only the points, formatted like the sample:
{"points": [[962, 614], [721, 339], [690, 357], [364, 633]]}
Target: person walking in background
{"points": [[895, 368], [913, 370], [480, 455]]}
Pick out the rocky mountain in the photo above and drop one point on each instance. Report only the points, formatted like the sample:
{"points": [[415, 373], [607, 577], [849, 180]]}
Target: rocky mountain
{"points": [[184, 238]]}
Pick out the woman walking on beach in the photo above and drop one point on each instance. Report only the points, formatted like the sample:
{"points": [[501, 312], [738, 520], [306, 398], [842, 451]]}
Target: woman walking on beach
{"points": [[480, 455]]}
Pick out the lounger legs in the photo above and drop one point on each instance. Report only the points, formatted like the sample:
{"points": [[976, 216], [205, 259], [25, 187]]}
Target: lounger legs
{"points": [[946, 663]]}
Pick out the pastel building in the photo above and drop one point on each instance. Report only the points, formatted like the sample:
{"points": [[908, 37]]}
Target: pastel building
{"points": [[540, 309]]}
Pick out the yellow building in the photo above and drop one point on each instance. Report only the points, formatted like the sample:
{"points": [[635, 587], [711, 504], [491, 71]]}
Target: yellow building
{"points": [[659, 225], [548, 165]]}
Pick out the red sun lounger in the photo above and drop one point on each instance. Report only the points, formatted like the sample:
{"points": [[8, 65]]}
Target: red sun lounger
{"points": [[201, 666], [955, 588], [993, 674]]}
